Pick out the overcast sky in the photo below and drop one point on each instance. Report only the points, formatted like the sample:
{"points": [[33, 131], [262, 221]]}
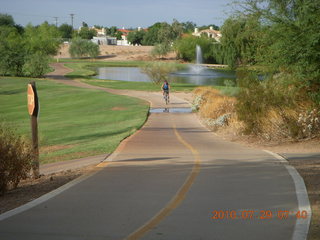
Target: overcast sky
{"points": [[120, 13]]}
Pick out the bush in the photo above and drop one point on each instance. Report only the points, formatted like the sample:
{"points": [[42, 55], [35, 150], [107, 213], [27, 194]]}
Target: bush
{"points": [[276, 108], [160, 50], [15, 159], [36, 65], [212, 104], [83, 48]]}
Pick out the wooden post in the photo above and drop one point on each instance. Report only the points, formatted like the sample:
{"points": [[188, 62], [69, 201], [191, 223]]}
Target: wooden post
{"points": [[33, 108]]}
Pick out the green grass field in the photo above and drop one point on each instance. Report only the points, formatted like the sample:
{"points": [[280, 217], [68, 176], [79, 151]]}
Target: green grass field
{"points": [[73, 122]]}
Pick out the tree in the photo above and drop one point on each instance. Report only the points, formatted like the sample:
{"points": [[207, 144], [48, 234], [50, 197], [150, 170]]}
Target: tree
{"points": [[160, 50], [177, 29], [151, 36], [241, 39], [83, 48], [66, 31], [12, 51], [159, 71], [19, 50], [136, 37], [6, 20], [186, 48], [86, 33], [291, 45], [188, 27], [215, 27], [44, 38], [112, 31], [163, 33]]}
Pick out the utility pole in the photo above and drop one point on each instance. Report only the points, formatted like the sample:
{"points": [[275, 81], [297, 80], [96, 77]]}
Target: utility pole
{"points": [[56, 19], [72, 15]]}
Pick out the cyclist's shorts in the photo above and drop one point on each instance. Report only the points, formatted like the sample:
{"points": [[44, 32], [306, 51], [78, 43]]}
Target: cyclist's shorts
{"points": [[166, 90]]}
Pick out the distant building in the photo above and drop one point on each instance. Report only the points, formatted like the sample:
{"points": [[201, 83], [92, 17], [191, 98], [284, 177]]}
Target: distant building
{"points": [[100, 32], [104, 40], [124, 40], [211, 33], [124, 37]]}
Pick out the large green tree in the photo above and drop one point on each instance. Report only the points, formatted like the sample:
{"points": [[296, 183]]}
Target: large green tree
{"points": [[186, 48], [241, 39], [87, 33], [12, 51], [292, 42], [6, 20], [163, 33], [136, 37], [26, 53], [66, 31], [44, 38]]}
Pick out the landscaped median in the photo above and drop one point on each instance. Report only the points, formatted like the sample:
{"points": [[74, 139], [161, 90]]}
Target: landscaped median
{"points": [[73, 122]]}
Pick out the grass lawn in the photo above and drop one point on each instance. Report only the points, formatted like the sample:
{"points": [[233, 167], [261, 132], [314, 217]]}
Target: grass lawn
{"points": [[73, 122]]}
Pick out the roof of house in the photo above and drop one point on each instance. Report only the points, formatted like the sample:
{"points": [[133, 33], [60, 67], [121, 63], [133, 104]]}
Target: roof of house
{"points": [[124, 31]]}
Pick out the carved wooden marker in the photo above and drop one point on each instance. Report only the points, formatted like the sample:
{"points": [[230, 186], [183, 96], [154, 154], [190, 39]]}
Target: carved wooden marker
{"points": [[33, 109]]}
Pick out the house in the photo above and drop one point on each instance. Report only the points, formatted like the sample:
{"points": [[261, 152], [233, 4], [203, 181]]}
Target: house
{"points": [[124, 35], [100, 32], [211, 33]]}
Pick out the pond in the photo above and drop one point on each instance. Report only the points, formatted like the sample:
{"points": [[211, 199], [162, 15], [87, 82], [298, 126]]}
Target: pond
{"points": [[194, 75]]}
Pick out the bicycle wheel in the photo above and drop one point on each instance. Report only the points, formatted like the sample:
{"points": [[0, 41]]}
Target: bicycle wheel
{"points": [[166, 98]]}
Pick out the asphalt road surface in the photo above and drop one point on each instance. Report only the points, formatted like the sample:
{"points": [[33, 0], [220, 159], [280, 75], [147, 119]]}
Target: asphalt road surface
{"points": [[171, 180]]}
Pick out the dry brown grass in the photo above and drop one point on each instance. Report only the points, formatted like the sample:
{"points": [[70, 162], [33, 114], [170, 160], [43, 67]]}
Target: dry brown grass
{"points": [[213, 103], [279, 123]]}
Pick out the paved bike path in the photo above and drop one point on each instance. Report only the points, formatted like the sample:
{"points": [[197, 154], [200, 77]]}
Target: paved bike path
{"points": [[164, 182]]}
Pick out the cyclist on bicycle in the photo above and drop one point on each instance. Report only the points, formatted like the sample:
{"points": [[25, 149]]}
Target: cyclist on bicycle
{"points": [[165, 88]]}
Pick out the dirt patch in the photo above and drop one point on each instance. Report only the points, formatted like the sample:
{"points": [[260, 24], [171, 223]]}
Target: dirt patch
{"points": [[31, 189], [118, 53], [64, 157], [284, 146]]}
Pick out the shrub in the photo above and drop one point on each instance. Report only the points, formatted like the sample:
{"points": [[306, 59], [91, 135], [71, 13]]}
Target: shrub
{"points": [[212, 104], [275, 108], [15, 159], [36, 65], [215, 109], [83, 48], [160, 50]]}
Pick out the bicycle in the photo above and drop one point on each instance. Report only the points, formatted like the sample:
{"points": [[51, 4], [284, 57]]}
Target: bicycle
{"points": [[166, 97]]}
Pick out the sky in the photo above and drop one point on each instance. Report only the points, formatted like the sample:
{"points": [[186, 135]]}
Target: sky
{"points": [[120, 13]]}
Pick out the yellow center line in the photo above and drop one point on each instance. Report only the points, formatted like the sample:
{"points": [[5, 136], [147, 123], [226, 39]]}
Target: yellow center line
{"points": [[179, 196]]}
